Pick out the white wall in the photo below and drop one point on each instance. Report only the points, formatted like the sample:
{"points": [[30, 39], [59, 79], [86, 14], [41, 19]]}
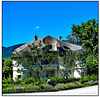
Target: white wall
{"points": [[76, 74], [15, 73], [15, 68]]}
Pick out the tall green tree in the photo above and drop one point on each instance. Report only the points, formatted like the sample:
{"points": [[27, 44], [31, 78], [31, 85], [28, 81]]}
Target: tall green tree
{"points": [[90, 36], [87, 35], [7, 67]]}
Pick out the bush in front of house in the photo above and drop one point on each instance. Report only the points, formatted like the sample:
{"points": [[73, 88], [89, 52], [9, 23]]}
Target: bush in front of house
{"points": [[88, 78], [7, 90], [7, 80], [54, 79], [5, 85], [34, 81], [90, 83], [60, 87], [73, 85], [19, 90], [22, 83], [60, 79], [47, 88], [94, 77], [72, 79], [29, 80], [34, 88], [32, 85]]}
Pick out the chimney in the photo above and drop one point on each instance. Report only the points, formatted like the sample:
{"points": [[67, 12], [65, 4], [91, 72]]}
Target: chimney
{"points": [[60, 37], [35, 37]]}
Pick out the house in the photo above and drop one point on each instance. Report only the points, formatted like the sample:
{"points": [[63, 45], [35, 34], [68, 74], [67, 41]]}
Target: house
{"points": [[55, 44]]}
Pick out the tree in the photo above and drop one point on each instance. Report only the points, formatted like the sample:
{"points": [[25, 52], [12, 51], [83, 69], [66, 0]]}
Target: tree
{"points": [[87, 34], [71, 39], [92, 63], [7, 67], [90, 35]]}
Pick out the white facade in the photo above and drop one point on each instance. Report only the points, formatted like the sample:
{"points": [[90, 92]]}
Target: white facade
{"points": [[15, 68], [76, 74], [51, 68], [55, 45]]}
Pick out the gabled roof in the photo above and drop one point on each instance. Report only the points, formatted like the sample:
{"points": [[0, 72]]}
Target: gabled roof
{"points": [[52, 41]]}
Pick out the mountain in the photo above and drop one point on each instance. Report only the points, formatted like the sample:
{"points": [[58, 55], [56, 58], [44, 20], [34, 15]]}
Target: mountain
{"points": [[7, 51]]}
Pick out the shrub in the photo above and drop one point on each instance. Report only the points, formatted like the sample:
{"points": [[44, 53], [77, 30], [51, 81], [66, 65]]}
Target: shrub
{"points": [[92, 63], [20, 90], [54, 80], [4, 90], [72, 79], [8, 80], [76, 86], [8, 90], [42, 81], [72, 86], [22, 83], [95, 83], [45, 80], [81, 80], [36, 87], [85, 79], [29, 80], [60, 87], [17, 81], [94, 77], [48, 88], [5, 85], [90, 83], [37, 83], [88, 78], [60, 79]]}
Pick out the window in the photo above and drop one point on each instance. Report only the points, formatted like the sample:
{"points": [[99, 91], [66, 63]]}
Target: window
{"points": [[19, 76], [61, 52], [58, 48], [45, 62], [50, 73], [50, 46]]}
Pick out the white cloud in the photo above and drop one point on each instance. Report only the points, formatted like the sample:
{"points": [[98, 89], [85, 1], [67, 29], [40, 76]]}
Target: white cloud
{"points": [[37, 27]]}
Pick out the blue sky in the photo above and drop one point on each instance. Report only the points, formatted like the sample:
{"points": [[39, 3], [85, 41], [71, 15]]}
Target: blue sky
{"points": [[22, 20]]}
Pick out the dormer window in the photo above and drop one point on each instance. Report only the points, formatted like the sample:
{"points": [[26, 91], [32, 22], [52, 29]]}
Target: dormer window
{"points": [[66, 48], [19, 76], [50, 46], [58, 48]]}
